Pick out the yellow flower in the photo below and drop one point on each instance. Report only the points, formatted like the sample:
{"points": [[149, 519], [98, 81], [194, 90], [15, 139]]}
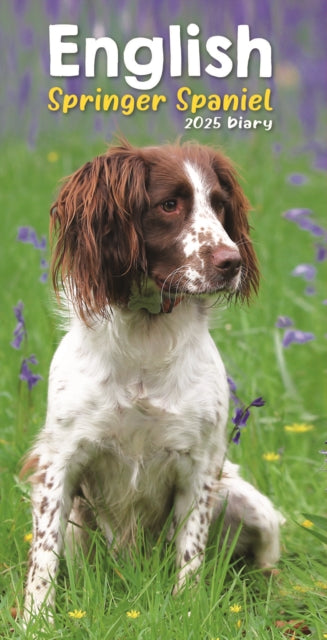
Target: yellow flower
{"points": [[321, 585], [300, 588], [298, 428], [235, 608], [307, 524], [77, 614], [28, 537], [239, 624], [52, 156], [271, 456], [133, 614]]}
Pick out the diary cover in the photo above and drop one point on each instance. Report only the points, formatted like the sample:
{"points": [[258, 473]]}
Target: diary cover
{"points": [[247, 77]]}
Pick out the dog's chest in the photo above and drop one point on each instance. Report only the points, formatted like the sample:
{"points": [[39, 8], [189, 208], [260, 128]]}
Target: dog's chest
{"points": [[150, 449]]}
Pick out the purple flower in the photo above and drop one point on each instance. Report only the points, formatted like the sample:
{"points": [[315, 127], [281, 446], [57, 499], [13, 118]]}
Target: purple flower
{"points": [[27, 375], [306, 271], [312, 227], [296, 336], [236, 437], [23, 234], [321, 252], [258, 402], [321, 160], [297, 179], [301, 218], [43, 277], [232, 384], [232, 390], [277, 148], [296, 214], [310, 291], [283, 322], [28, 236], [20, 330], [241, 417]]}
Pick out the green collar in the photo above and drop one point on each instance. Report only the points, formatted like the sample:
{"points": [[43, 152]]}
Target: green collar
{"points": [[152, 299]]}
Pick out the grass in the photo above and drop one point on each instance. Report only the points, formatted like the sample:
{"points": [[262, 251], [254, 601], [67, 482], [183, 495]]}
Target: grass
{"points": [[231, 601]]}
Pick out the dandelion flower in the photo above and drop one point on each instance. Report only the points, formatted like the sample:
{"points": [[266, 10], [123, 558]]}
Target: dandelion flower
{"points": [[235, 608], [239, 624], [133, 614], [298, 428], [307, 524], [77, 614], [52, 156], [28, 537], [271, 456]]}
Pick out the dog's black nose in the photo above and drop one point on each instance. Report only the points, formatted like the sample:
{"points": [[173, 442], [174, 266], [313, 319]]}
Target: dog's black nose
{"points": [[227, 260]]}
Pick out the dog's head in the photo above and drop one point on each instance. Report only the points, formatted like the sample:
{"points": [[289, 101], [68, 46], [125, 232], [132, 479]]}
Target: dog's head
{"points": [[173, 214]]}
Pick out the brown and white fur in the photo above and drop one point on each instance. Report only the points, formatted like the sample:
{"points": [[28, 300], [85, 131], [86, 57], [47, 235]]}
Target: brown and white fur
{"points": [[138, 395]]}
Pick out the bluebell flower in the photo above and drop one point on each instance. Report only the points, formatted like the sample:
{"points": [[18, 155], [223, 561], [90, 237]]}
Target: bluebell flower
{"points": [[307, 225], [283, 322], [43, 277], [27, 375], [297, 337], [297, 214], [28, 236], [20, 330], [232, 390], [321, 160], [306, 271], [321, 252], [241, 417], [301, 217], [297, 179], [258, 402]]}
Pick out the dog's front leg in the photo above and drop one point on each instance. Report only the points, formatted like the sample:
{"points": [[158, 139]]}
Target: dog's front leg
{"points": [[193, 513], [52, 492]]}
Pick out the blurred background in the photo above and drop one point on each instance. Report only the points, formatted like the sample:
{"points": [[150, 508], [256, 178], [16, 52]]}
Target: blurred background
{"points": [[295, 29]]}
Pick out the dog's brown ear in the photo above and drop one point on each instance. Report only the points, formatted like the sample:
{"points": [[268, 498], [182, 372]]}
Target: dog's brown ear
{"points": [[96, 225], [236, 223]]}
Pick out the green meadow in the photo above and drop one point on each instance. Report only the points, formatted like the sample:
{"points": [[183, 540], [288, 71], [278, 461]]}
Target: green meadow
{"points": [[124, 597]]}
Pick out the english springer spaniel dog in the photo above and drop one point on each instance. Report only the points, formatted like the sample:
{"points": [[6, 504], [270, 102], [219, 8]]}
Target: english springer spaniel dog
{"points": [[146, 239]]}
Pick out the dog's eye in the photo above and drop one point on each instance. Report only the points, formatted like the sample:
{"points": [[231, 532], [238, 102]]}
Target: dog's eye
{"points": [[169, 206]]}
